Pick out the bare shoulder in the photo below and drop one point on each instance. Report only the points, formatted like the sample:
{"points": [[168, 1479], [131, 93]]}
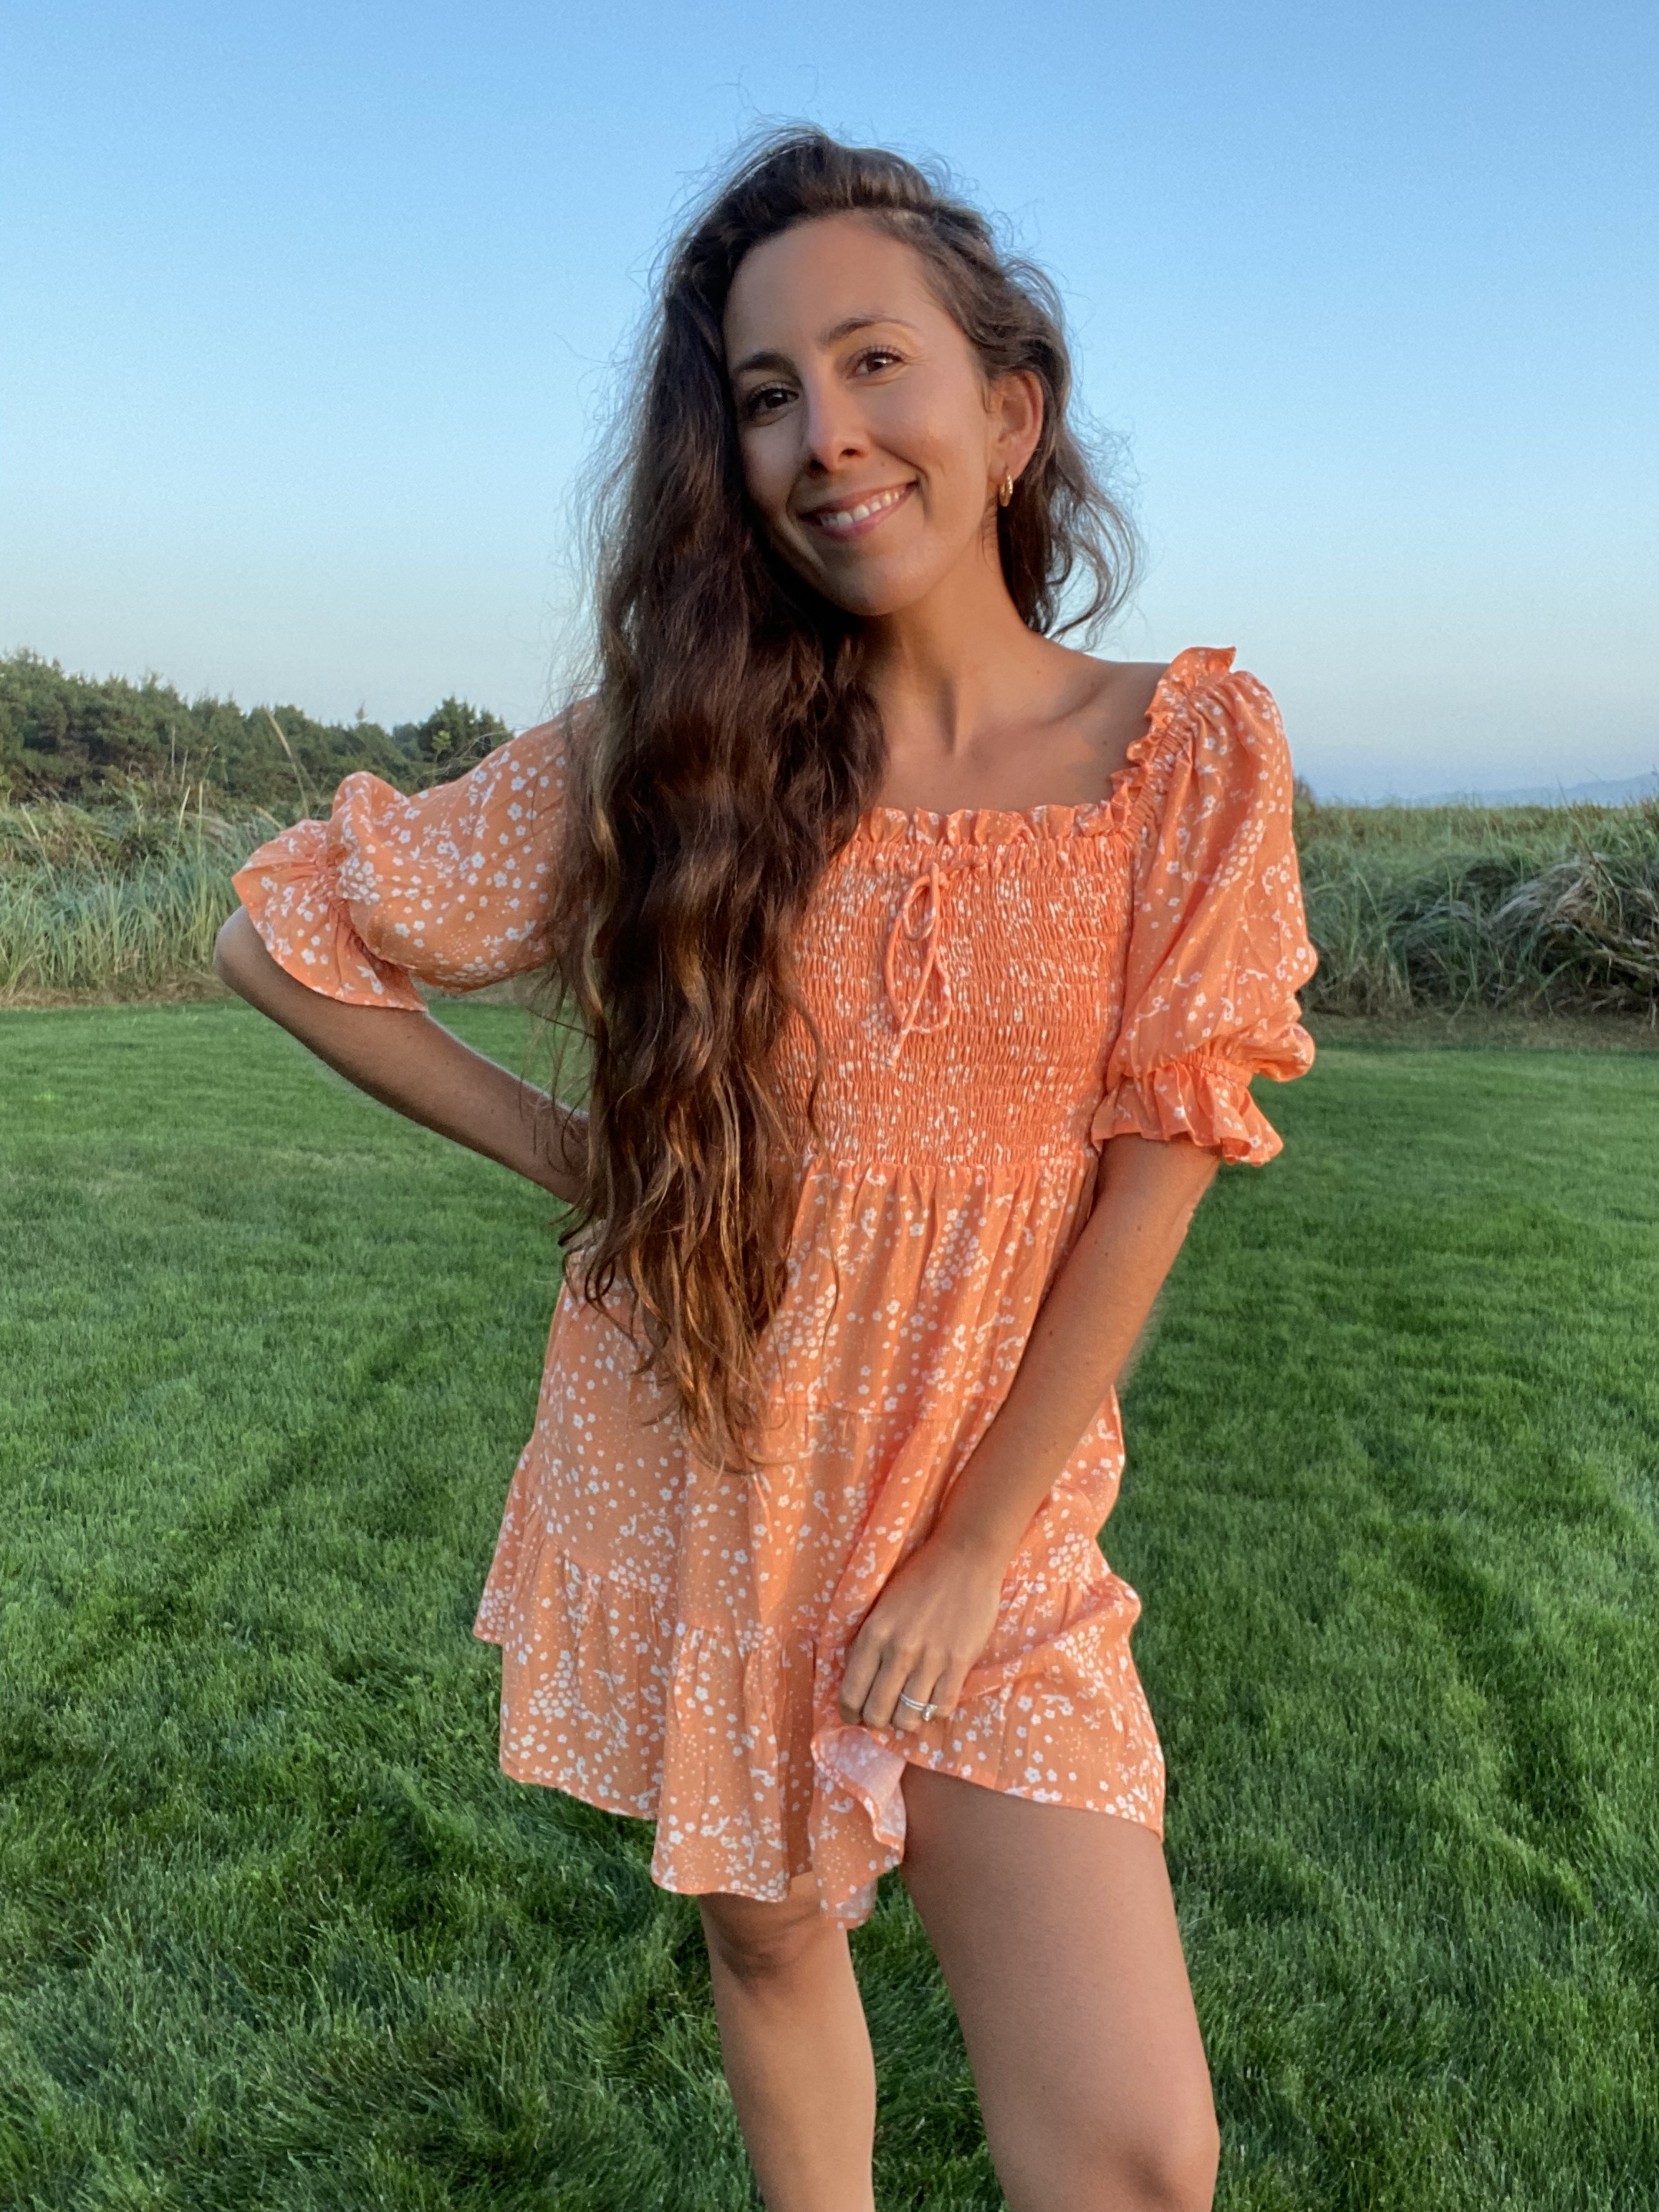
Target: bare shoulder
{"points": [[1115, 698], [1131, 685]]}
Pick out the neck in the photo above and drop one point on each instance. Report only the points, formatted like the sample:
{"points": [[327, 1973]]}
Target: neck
{"points": [[944, 668]]}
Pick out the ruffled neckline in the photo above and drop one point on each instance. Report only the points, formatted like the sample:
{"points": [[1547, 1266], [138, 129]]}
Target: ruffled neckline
{"points": [[1058, 819]]}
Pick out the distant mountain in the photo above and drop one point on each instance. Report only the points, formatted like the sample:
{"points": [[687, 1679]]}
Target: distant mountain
{"points": [[1623, 791]]}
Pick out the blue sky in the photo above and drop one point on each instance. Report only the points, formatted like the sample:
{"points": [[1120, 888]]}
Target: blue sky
{"points": [[308, 312]]}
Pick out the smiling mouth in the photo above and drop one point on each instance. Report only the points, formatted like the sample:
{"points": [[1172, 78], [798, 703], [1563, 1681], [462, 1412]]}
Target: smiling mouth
{"points": [[860, 515]]}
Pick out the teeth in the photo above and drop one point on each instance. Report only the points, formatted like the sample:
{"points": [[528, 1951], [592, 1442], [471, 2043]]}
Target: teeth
{"points": [[839, 516]]}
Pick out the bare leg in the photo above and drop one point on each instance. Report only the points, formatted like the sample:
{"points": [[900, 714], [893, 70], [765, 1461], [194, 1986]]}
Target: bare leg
{"points": [[1056, 1932], [796, 2049]]}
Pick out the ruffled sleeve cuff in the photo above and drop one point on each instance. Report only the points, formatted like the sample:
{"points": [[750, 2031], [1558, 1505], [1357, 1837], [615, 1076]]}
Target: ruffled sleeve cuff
{"points": [[1204, 1096], [290, 888]]}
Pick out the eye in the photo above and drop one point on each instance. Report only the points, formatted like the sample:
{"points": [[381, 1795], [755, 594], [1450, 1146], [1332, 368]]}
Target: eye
{"points": [[762, 400], [876, 358]]}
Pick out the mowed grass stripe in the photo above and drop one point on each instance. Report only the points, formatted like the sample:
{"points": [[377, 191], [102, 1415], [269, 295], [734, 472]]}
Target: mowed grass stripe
{"points": [[274, 1930]]}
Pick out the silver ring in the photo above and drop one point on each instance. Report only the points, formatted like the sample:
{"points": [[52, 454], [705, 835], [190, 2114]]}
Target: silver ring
{"points": [[916, 1705]]}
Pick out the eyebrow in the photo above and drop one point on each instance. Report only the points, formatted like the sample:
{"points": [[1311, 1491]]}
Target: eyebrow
{"points": [[844, 329]]}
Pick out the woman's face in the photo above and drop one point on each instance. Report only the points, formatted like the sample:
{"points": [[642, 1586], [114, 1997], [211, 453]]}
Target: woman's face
{"points": [[871, 445]]}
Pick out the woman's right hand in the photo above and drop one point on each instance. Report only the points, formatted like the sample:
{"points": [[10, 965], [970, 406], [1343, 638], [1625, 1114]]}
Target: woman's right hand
{"points": [[412, 1063]]}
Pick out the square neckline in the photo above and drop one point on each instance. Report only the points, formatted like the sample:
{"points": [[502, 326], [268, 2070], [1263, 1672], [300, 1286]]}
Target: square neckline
{"points": [[1175, 682]]}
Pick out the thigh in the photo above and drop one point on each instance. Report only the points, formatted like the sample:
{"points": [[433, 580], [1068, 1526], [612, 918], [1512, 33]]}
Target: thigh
{"points": [[1055, 1929]]}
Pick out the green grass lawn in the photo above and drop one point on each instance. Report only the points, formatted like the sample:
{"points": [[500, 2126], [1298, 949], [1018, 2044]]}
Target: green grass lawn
{"points": [[274, 1931]]}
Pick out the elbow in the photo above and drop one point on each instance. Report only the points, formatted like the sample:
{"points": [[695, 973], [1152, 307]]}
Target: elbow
{"points": [[224, 957], [231, 962]]}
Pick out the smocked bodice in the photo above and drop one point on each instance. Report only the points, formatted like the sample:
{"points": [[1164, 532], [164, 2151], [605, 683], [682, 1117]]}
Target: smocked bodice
{"points": [[938, 958]]}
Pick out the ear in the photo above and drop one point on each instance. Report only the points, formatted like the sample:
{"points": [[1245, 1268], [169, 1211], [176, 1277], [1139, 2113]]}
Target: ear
{"points": [[1016, 422]]}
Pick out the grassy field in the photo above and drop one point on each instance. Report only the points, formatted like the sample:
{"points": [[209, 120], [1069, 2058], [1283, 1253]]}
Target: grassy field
{"points": [[274, 1931]]}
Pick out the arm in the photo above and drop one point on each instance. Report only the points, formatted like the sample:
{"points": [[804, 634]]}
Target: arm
{"points": [[409, 1061], [936, 1612]]}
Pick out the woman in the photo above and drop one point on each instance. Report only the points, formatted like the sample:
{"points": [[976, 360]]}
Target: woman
{"points": [[924, 963]]}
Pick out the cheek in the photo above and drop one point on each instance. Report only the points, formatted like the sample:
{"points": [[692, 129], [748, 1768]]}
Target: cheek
{"points": [[768, 472], [940, 436]]}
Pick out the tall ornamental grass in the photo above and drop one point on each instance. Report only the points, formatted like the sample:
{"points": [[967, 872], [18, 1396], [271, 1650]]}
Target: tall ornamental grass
{"points": [[121, 900], [1536, 910]]}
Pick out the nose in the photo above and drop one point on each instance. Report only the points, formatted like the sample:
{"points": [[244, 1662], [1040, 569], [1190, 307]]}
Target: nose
{"points": [[832, 426]]}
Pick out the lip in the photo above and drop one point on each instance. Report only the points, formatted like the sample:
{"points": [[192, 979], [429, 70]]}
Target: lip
{"points": [[892, 497]]}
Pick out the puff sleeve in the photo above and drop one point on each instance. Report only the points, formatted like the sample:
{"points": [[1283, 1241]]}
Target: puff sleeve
{"points": [[1217, 944], [451, 886]]}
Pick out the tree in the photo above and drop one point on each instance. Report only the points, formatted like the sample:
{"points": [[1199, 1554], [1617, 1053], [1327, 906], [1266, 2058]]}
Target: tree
{"points": [[453, 738], [73, 737]]}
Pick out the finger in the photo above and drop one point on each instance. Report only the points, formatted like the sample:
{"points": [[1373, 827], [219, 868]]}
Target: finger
{"points": [[947, 1692], [881, 1706], [915, 1681], [863, 1664], [922, 1687]]}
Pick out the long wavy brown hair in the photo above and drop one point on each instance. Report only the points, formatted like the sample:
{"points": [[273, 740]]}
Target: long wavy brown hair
{"points": [[730, 746]]}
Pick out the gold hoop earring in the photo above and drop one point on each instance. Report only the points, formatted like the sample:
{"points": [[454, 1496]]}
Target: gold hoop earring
{"points": [[1005, 489]]}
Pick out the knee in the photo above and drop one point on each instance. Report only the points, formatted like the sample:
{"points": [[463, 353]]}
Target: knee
{"points": [[756, 1942], [1163, 2161], [1173, 2170]]}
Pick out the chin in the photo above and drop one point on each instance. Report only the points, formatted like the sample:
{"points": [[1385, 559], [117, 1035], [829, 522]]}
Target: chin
{"points": [[871, 592]]}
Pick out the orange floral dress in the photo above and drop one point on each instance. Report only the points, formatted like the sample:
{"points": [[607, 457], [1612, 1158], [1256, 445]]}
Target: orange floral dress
{"points": [[999, 993]]}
